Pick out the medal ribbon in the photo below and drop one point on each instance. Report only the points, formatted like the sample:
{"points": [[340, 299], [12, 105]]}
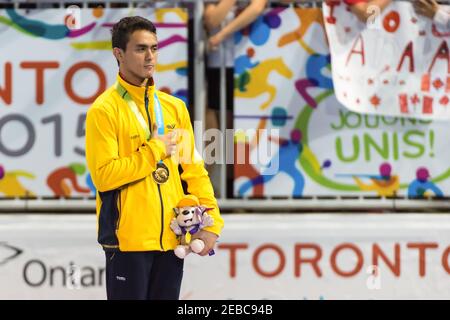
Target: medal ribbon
{"points": [[134, 108]]}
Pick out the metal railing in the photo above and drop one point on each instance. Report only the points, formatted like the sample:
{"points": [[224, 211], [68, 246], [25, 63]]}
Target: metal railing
{"points": [[336, 204]]}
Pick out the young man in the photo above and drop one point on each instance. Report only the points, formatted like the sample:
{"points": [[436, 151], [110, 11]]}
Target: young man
{"points": [[360, 7], [131, 149]]}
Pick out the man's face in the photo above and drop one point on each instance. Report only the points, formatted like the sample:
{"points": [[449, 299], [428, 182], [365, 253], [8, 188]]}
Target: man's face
{"points": [[138, 61]]}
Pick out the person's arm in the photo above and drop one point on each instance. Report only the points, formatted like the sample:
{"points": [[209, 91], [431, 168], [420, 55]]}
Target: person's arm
{"points": [[427, 8], [431, 9], [215, 13], [247, 16], [442, 18], [195, 174], [20, 173], [435, 189], [108, 170], [359, 8], [278, 140]]}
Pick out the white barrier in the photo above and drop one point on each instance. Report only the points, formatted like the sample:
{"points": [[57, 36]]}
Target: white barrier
{"points": [[266, 256]]}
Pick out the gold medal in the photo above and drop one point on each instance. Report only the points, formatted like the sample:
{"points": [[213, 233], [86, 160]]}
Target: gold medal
{"points": [[161, 174]]}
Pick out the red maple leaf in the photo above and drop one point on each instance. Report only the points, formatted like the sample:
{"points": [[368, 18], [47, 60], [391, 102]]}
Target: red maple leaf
{"points": [[422, 33], [413, 20], [370, 81], [331, 20], [385, 81], [438, 83], [402, 82], [444, 101], [415, 99], [375, 101], [357, 101], [348, 29]]}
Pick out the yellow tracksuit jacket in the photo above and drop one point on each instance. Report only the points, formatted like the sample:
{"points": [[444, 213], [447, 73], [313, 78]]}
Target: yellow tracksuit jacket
{"points": [[133, 212]]}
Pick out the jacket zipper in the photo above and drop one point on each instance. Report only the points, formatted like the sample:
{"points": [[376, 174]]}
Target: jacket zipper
{"points": [[149, 119], [162, 217], [119, 210]]}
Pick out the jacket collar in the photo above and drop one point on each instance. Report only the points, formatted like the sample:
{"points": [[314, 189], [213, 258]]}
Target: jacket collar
{"points": [[137, 92]]}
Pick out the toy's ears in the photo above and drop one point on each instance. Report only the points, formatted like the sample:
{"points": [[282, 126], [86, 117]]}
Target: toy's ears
{"points": [[204, 209], [199, 210], [177, 211]]}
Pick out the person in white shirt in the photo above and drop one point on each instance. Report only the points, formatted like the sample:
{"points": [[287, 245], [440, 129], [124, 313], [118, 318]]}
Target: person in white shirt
{"points": [[221, 23]]}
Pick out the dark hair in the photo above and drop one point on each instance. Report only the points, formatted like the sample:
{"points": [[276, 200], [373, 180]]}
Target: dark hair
{"points": [[122, 30]]}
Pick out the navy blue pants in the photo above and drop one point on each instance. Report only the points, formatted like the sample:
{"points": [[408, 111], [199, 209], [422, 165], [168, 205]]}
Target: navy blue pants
{"points": [[147, 275]]}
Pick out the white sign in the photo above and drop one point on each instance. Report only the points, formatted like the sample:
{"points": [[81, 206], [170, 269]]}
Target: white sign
{"points": [[397, 64], [270, 256]]}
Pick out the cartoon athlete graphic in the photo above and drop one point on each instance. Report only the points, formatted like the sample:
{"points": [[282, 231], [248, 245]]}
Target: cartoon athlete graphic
{"points": [[288, 155], [62, 180], [260, 80], [385, 185], [242, 165], [10, 185], [421, 186]]}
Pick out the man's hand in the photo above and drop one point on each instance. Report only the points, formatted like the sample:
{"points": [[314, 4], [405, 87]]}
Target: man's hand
{"points": [[427, 8], [169, 139], [208, 238]]}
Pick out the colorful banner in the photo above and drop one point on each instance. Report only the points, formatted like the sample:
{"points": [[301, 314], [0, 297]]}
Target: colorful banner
{"points": [[267, 256], [283, 81], [396, 64], [56, 62]]}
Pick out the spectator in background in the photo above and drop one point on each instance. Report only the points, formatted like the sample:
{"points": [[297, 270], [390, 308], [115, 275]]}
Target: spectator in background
{"points": [[431, 9], [215, 14], [360, 7]]}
